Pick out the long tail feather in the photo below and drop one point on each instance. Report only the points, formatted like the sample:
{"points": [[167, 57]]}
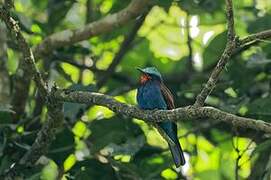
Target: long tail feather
{"points": [[170, 130], [177, 154]]}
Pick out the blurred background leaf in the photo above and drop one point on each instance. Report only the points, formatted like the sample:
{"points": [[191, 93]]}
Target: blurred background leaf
{"points": [[94, 142]]}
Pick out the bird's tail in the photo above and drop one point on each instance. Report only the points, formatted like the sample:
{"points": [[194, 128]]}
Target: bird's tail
{"points": [[177, 153], [169, 131]]}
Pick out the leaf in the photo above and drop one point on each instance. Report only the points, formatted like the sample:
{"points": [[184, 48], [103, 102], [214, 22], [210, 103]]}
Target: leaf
{"points": [[215, 18], [208, 174], [242, 81], [35, 176], [264, 146], [145, 152], [130, 147], [214, 50], [32, 173], [57, 10], [152, 166], [260, 24], [165, 3], [6, 114], [260, 109], [92, 170], [62, 146], [267, 50], [5, 164], [201, 6], [267, 174], [39, 4], [126, 170], [115, 130], [50, 171]]}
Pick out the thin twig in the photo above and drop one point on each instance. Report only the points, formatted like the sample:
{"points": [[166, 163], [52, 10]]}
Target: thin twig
{"points": [[230, 46], [255, 37]]}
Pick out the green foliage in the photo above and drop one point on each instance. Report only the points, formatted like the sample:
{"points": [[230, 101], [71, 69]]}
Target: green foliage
{"points": [[92, 169], [62, 146], [95, 143], [260, 108], [115, 130], [260, 24]]}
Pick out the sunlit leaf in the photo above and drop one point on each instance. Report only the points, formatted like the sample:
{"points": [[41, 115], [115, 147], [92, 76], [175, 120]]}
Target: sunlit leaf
{"points": [[49, 172], [69, 162]]}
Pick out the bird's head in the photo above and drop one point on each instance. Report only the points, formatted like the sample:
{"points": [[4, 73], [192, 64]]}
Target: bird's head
{"points": [[149, 73]]}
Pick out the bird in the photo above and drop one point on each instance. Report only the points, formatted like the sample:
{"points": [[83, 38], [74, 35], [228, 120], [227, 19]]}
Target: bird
{"points": [[152, 94]]}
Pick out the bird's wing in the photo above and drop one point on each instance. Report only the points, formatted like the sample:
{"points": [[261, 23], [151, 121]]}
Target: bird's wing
{"points": [[167, 96]]}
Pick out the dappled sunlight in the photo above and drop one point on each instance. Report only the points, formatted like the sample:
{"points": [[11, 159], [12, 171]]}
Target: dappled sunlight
{"points": [[72, 98], [193, 26], [207, 36], [197, 60]]}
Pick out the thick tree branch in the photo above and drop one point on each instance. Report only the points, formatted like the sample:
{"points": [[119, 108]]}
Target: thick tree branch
{"points": [[46, 134], [106, 24], [26, 68], [28, 57], [68, 37], [184, 113], [230, 46]]}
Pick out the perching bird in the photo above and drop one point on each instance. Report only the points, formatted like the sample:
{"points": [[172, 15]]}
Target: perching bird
{"points": [[153, 94]]}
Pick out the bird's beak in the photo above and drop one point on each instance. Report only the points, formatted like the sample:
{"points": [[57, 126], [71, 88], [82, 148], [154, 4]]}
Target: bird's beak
{"points": [[139, 69]]}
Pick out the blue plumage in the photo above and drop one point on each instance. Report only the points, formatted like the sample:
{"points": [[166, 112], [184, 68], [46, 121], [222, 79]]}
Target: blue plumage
{"points": [[150, 96], [153, 94]]}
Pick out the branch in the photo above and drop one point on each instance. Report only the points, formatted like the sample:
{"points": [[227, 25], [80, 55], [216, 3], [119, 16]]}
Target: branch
{"points": [[230, 47], [230, 21], [68, 37], [46, 134], [26, 67], [28, 57], [184, 113], [256, 37], [106, 24], [233, 46]]}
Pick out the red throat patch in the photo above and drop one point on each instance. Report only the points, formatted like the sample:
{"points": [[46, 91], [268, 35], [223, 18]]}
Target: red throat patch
{"points": [[144, 78]]}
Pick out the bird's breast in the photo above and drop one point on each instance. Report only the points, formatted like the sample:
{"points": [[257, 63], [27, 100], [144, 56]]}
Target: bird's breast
{"points": [[149, 96], [141, 97]]}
